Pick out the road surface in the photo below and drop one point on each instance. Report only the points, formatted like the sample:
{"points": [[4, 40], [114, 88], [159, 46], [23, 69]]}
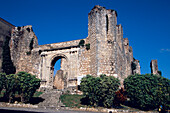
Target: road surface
{"points": [[31, 110]]}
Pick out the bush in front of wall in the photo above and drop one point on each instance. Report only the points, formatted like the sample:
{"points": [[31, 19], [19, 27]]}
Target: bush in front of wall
{"points": [[99, 91]]}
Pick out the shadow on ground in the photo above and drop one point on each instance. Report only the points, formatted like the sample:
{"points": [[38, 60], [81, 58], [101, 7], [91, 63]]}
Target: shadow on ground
{"points": [[36, 100], [33, 100]]}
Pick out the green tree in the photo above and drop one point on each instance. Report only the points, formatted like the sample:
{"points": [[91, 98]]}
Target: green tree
{"points": [[2, 81], [99, 91], [11, 85], [7, 64], [22, 83], [147, 91], [27, 85]]}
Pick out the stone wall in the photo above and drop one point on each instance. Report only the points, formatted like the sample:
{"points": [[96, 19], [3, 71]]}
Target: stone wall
{"points": [[22, 44], [110, 53]]}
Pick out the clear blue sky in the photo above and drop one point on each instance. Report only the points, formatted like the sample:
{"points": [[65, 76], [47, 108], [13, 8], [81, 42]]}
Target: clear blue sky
{"points": [[146, 23]]}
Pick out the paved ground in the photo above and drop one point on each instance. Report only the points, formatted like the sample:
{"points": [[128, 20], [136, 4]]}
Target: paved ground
{"points": [[30, 110]]}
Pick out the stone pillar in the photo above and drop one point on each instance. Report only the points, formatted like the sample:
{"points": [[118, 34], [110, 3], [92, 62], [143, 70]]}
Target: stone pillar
{"points": [[154, 67]]}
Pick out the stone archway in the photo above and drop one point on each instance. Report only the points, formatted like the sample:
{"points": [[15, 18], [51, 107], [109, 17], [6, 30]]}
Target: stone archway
{"points": [[60, 78]]}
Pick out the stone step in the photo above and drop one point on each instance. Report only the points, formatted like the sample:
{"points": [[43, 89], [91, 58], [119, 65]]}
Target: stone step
{"points": [[51, 99]]}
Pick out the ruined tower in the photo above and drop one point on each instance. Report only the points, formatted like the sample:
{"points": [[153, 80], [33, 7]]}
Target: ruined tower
{"points": [[110, 53], [154, 67]]}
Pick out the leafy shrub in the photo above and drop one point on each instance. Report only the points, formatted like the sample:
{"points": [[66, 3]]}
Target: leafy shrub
{"points": [[2, 81], [99, 91], [22, 84], [147, 91], [120, 97], [27, 85], [11, 86]]}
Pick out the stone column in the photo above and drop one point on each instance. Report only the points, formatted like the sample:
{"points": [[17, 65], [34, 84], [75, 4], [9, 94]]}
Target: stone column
{"points": [[154, 67]]}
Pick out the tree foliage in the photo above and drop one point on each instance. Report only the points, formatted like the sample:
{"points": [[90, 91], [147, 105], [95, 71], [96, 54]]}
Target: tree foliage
{"points": [[27, 85], [11, 86], [2, 79], [99, 91], [147, 91], [22, 83]]}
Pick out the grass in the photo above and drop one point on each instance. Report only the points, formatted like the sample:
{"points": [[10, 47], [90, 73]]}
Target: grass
{"points": [[37, 94], [71, 100], [74, 101]]}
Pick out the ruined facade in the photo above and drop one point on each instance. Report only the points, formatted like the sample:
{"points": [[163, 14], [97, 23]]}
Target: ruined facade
{"points": [[104, 51]]}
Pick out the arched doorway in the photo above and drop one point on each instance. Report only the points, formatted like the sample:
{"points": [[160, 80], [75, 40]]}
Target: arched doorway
{"points": [[59, 72]]}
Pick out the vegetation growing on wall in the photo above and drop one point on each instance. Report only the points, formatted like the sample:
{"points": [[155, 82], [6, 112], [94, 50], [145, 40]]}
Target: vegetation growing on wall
{"points": [[7, 64], [81, 43], [87, 46]]}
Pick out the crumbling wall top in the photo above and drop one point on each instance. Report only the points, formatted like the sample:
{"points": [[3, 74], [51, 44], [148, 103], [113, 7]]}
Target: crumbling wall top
{"points": [[99, 8]]}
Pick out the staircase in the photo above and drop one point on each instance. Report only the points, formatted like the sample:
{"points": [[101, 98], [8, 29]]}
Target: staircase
{"points": [[51, 99]]}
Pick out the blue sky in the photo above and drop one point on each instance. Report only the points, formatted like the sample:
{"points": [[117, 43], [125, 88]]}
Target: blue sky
{"points": [[146, 23]]}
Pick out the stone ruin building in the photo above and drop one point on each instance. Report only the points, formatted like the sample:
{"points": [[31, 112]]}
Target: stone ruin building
{"points": [[103, 51]]}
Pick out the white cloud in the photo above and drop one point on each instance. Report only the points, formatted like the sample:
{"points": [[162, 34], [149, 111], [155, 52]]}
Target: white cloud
{"points": [[165, 50]]}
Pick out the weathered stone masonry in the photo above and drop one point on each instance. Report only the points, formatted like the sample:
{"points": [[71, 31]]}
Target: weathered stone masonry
{"points": [[109, 52]]}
